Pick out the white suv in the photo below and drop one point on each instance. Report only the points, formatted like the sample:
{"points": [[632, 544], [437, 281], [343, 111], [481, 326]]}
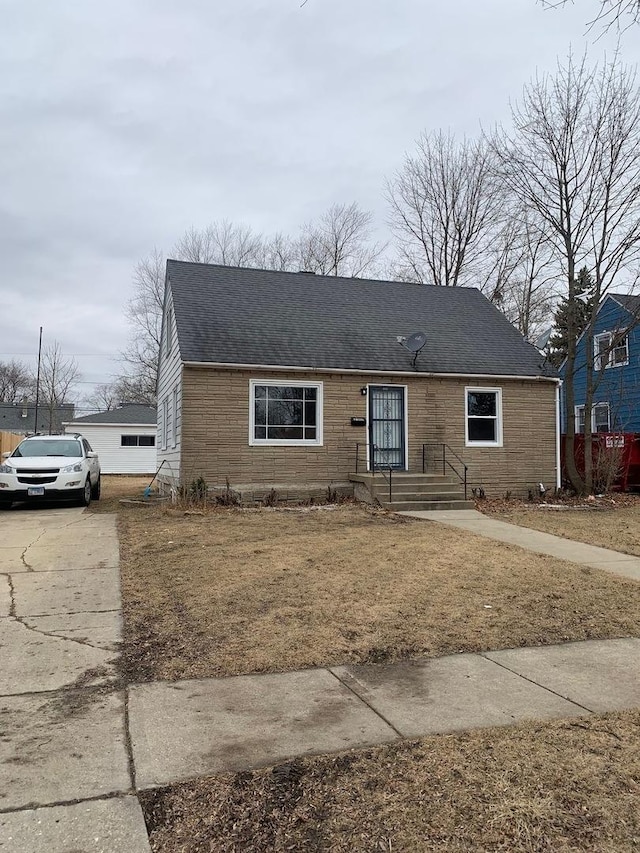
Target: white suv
{"points": [[44, 467]]}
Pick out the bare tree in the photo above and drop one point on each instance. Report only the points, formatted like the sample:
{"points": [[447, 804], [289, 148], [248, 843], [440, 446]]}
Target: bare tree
{"points": [[144, 312], [339, 243], [220, 243], [104, 397], [525, 274], [58, 376], [612, 14], [123, 389], [15, 381], [573, 158], [445, 208], [280, 252]]}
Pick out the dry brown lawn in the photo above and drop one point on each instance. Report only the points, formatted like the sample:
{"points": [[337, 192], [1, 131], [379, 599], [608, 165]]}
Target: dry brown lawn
{"points": [[114, 487], [241, 591], [535, 788], [605, 525]]}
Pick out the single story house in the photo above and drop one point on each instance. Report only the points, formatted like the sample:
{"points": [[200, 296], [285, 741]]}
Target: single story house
{"points": [[299, 382], [124, 438], [20, 418]]}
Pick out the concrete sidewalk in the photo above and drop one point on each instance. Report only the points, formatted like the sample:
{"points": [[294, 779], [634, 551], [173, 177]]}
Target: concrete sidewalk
{"points": [[534, 540], [66, 778], [196, 728]]}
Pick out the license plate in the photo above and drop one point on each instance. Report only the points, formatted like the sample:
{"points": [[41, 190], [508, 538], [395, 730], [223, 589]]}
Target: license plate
{"points": [[35, 491]]}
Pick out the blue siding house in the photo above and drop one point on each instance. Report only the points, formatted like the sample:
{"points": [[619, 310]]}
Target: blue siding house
{"points": [[616, 354]]}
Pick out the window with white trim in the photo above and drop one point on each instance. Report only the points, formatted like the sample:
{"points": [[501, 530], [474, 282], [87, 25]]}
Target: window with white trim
{"points": [[285, 414], [164, 424], [174, 419], [600, 418], [610, 350], [483, 417]]}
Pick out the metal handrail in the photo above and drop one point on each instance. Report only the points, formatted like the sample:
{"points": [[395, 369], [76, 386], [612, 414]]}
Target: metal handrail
{"points": [[375, 467], [445, 462]]}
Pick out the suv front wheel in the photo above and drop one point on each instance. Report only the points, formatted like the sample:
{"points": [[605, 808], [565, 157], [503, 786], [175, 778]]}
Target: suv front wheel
{"points": [[95, 490], [85, 494]]}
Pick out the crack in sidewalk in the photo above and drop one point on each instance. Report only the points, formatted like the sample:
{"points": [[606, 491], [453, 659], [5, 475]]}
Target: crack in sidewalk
{"points": [[28, 566], [12, 596], [20, 621]]}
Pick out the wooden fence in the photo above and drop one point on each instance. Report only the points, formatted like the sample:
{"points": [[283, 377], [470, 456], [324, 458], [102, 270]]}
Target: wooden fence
{"points": [[9, 440]]}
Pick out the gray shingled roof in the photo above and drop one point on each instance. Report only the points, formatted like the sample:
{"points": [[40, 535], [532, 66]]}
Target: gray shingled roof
{"points": [[130, 413], [12, 420], [629, 301], [248, 316]]}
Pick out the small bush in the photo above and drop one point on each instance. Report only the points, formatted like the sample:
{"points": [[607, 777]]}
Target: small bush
{"points": [[228, 496], [271, 498]]}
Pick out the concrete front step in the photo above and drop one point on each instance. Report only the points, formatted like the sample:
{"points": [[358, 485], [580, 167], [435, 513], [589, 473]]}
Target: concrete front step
{"points": [[402, 492], [426, 506], [400, 477], [413, 498]]}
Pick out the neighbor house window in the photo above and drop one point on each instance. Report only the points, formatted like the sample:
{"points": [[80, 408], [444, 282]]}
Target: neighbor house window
{"points": [[600, 418], [137, 441], [610, 350], [288, 414], [483, 415]]}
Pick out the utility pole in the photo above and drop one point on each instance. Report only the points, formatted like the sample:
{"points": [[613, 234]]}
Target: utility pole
{"points": [[35, 424]]}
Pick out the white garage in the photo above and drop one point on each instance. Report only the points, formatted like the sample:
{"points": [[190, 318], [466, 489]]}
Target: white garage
{"points": [[124, 438]]}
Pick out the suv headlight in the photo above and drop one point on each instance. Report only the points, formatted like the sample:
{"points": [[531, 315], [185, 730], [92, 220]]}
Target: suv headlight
{"points": [[70, 468], [6, 469]]}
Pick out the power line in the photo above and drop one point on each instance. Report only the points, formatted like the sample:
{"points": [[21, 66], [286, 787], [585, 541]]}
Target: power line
{"points": [[74, 354]]}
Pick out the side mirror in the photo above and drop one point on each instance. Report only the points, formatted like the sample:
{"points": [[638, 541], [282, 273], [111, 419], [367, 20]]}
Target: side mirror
{"points": [[6, 454], [92, 455]]}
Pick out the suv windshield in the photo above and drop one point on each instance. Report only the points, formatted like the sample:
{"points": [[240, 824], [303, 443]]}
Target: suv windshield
{"points": [[47, 447]]}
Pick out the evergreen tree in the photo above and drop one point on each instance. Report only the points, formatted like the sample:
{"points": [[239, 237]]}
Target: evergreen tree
{"points": [[571, 314]]}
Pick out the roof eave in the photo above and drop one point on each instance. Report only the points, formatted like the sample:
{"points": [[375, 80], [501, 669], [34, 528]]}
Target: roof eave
{"points": [[222, 365]]}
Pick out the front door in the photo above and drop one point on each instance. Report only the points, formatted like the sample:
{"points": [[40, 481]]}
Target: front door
{"points": [[386, 427]]}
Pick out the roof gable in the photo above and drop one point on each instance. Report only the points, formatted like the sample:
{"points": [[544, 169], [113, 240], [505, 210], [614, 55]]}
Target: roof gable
{"points": [[231, 315]]}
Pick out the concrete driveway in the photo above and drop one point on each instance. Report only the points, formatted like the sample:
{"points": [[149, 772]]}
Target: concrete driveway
{"points": [[65, 765]]}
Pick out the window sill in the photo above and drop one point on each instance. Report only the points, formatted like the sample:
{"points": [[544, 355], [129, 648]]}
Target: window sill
{"points": [[257, 442], [483, 444]]}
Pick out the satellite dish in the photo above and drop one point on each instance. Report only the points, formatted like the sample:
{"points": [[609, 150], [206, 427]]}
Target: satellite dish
{"points": [[415, 342]]}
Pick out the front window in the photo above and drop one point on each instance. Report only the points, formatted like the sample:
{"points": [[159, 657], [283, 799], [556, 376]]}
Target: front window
{"points": [[610, 350], [44, 447], [288, 414], [483, 417], [600, 418]]}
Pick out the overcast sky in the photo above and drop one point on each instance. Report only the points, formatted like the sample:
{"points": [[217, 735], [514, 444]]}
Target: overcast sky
{"points": [[124, 123]]}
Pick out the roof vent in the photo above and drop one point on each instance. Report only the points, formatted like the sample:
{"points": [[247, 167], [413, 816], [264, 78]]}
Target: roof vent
{"points": [[307, 272]]}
